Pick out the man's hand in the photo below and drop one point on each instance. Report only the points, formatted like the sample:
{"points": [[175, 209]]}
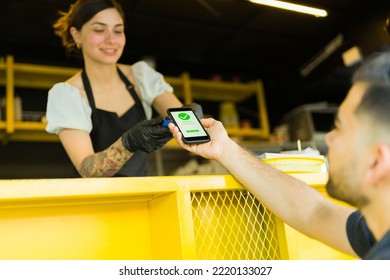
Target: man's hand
{"points": [[209, 150]]}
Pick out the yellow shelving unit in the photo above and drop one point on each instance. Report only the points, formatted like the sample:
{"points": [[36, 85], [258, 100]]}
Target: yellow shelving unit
{"points": [[21, 75], [195, 90]]}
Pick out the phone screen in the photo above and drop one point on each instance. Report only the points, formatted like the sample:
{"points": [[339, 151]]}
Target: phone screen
{"points": [[189, 125]]}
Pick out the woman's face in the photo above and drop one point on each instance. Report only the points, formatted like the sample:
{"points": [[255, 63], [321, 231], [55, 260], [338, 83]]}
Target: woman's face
{"points": [[102, 38]]}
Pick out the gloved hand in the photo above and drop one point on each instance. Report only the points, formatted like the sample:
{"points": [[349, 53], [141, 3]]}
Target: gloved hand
{"points": [[196, 108], [147, 136]]}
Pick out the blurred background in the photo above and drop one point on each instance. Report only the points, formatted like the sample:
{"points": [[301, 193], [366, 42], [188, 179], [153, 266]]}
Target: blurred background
{"points": [[304, 62]]}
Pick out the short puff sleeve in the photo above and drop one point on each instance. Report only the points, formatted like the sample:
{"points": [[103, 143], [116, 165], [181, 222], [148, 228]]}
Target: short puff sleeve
{"points": [[151, 84], [66, 108]]}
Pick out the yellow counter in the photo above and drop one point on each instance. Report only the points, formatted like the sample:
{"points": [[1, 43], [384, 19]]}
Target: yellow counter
{"points": [[188, 217]]}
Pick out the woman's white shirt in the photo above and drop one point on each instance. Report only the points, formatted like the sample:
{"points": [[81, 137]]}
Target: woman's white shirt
{"points": [[66, 108]]}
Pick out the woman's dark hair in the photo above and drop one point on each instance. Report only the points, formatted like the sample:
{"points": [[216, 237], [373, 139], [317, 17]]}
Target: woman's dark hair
{"points": [[78, 14]]}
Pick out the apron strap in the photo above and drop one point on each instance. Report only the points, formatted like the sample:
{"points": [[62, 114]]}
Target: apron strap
{"points": [[88, 90], [129, 86], [131, 89]]}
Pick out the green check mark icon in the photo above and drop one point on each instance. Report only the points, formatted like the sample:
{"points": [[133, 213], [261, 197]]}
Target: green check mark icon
{"points": [[184, 116]]}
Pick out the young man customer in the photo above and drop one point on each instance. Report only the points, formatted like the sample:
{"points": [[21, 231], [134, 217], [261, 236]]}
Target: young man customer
{"points": [[359, 171]]}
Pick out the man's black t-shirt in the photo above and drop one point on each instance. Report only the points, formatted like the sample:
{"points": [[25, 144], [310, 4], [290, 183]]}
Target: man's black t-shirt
{"points": [[363, 241]]}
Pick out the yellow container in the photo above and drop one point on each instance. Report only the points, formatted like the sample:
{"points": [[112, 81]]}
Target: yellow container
{"points": [[295, 163]]}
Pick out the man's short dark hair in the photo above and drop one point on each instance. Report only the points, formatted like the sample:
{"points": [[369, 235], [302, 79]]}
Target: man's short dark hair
{"points": [[375, 69], [375, 103]]}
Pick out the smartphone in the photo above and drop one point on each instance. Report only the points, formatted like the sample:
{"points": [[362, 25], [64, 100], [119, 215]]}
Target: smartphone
{"points": [[189, 125]]}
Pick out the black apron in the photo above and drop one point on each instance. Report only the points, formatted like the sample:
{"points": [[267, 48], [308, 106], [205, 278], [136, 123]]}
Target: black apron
{"points": [[107, 127]]}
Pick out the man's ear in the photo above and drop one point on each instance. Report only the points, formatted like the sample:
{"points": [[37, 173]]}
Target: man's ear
{"points": [[75, 35], [380, 168]]}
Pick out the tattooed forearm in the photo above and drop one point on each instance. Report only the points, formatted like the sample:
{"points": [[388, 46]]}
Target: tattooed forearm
{"points": [[105, 163]]}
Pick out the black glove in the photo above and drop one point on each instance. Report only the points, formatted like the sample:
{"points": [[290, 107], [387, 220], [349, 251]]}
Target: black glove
{"points": [[147, 136], [196, 108]]}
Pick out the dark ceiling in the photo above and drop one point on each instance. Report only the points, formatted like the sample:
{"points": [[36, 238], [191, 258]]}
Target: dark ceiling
{"points": [[226, 37]]}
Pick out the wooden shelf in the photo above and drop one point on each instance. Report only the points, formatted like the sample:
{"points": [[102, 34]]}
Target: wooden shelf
{"points": [[195, 90], [28, 136], [35, 76], [22, 75], [42, 77], [248, 132], [38, 126], [216, 91]]}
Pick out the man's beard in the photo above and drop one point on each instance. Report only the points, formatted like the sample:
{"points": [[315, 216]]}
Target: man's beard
{"points": [[345, 192]]}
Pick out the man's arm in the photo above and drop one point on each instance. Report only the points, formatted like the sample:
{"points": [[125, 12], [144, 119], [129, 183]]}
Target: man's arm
{"points": [[293, 201]]}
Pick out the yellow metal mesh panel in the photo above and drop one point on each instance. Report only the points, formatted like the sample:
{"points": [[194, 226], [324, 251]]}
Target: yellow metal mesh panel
{"points": [[233, 225]]}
